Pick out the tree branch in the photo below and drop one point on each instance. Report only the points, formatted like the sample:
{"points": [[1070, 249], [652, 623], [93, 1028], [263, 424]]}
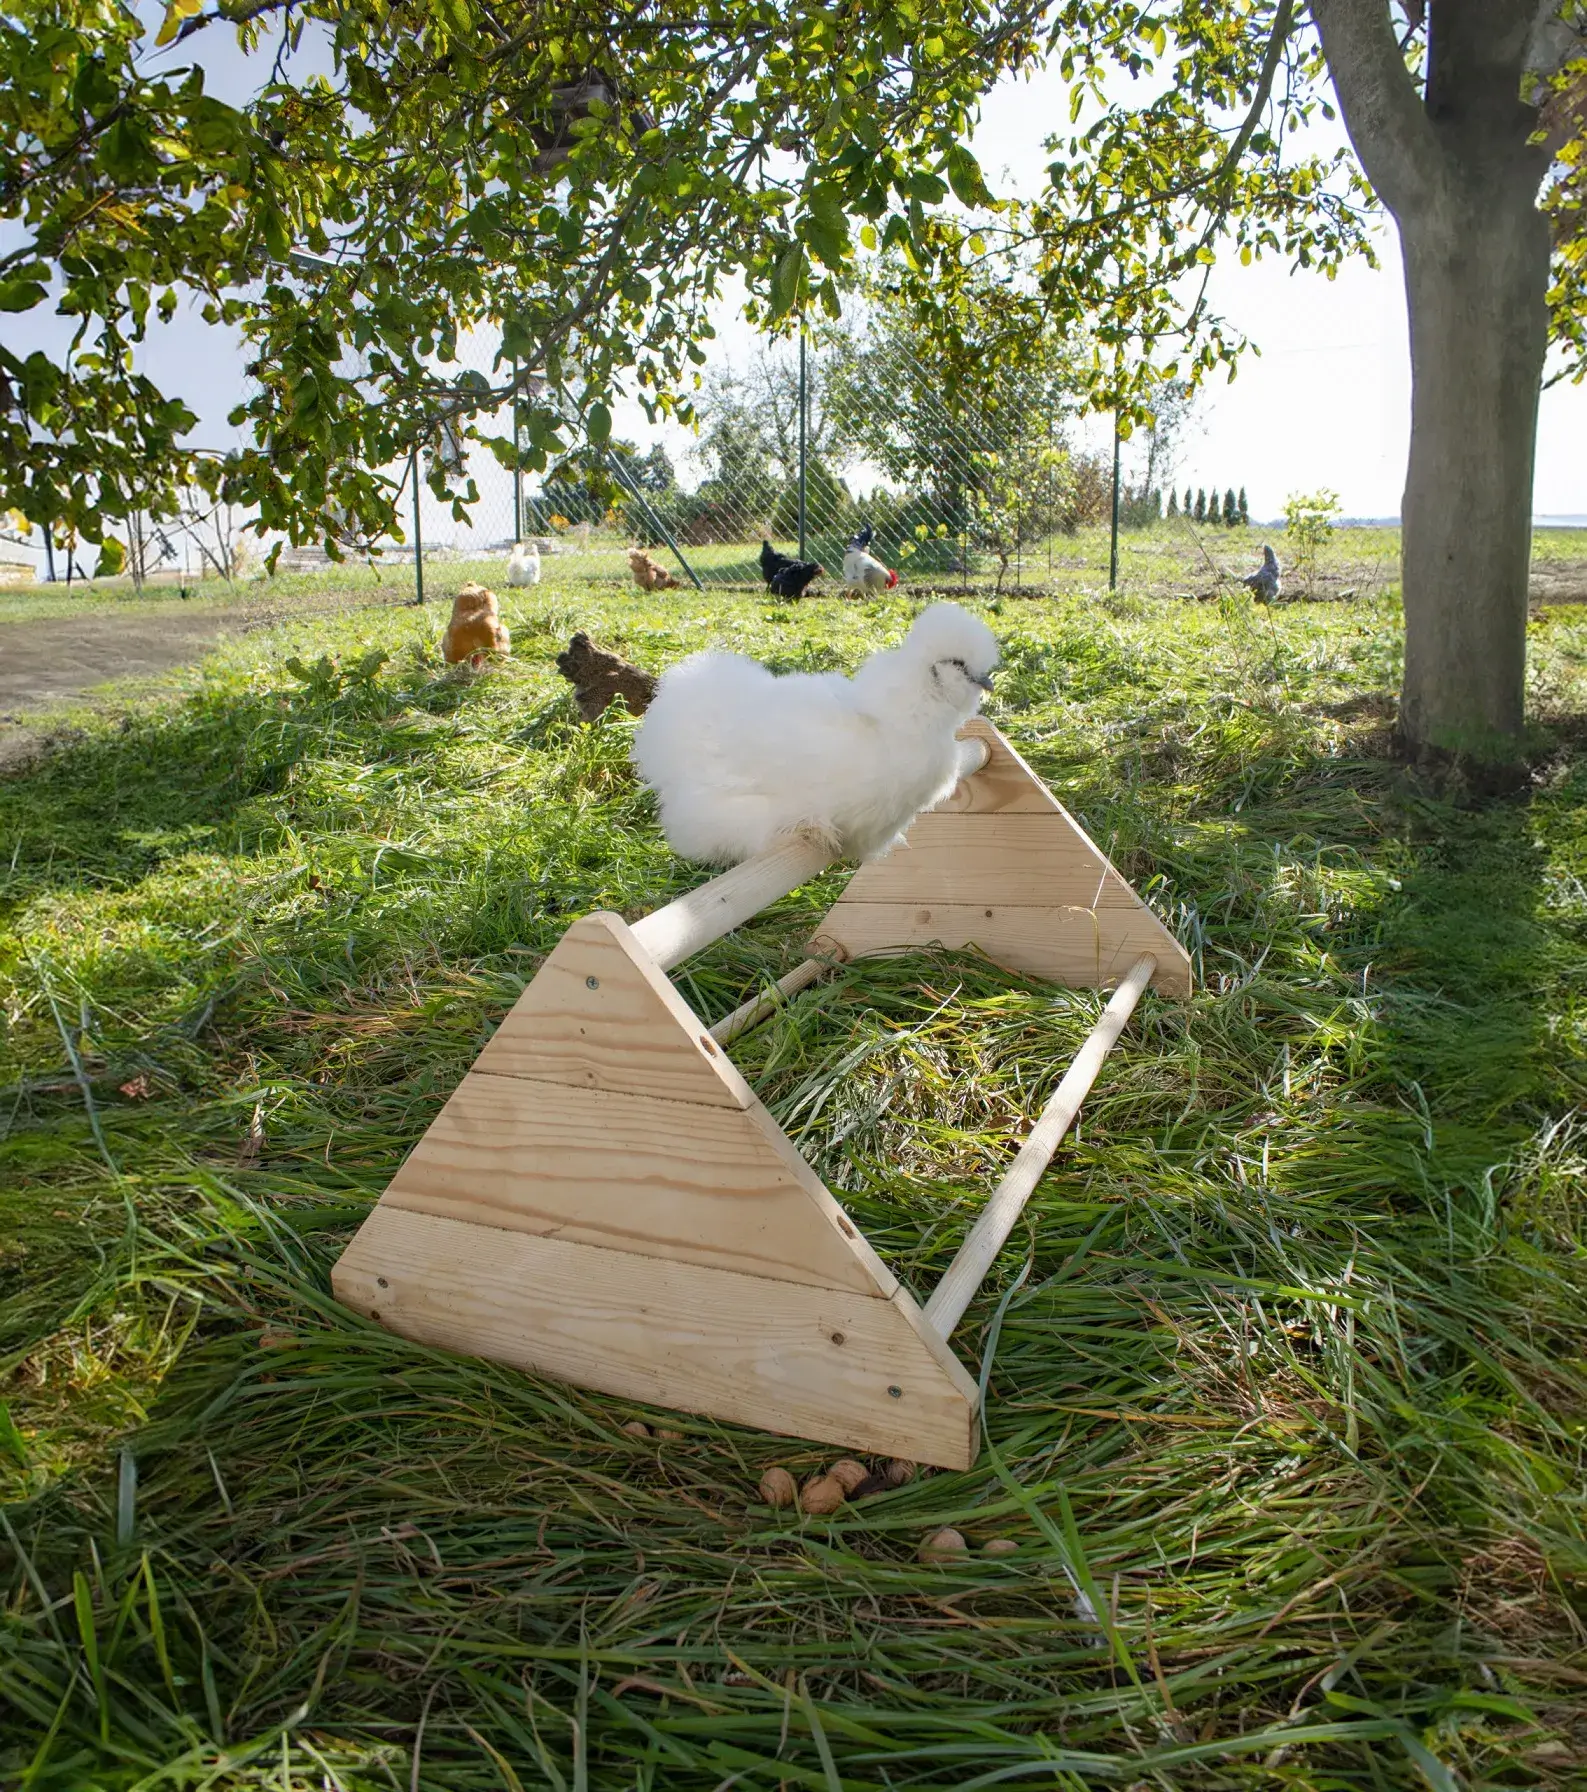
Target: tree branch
{"points": [[1388, 125], [1283, 22]]}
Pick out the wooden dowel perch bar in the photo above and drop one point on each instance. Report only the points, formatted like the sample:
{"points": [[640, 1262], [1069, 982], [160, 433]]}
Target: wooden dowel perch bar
{"points": [[690, 924], [758, 1008], [604, 1199], [965, 1274]]}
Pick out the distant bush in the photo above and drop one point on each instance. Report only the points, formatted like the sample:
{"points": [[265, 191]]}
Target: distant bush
{"points": [[1309, 522]]}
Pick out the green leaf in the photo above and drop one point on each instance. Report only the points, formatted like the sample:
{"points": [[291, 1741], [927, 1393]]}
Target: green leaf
{"points": [[965, 177], [786, 279], [599, 423], [21, 294], [11, 1440]]}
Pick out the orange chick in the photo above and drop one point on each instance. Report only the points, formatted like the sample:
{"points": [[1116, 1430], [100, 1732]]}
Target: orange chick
{"points": [[649, 575], [475, 629]]}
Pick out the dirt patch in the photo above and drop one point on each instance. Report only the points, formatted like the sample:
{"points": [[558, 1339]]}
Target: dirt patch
{"points": [[1563, 585], [53, 659], [41, 662], [46, 662]]}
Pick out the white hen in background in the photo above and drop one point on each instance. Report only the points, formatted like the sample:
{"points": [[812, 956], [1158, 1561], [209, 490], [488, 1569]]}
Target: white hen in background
{"points": [[523, 567], [741, 758], [862, 571]]}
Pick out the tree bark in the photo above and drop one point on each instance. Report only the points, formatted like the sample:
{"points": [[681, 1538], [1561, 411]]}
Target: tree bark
{"points": [[1458, 170], [1476, 279]]}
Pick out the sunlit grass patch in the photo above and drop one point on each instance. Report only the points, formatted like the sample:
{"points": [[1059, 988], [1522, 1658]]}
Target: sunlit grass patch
{"points": [[1287, 1398]]}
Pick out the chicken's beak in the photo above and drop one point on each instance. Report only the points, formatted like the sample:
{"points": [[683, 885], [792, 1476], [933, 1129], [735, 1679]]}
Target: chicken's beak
{"points": [[976, 678]]}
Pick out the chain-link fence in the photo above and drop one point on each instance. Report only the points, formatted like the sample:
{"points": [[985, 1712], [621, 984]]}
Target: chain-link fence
{"points": [[802, 444], [799, 444]]}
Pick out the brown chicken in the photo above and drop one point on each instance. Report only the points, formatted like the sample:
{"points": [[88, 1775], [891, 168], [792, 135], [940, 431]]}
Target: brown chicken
{"points": [[649, 575], [599, 677], [475, 629]]}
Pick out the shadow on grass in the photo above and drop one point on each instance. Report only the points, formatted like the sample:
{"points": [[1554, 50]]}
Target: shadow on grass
{"points": [[1284, 1351]]}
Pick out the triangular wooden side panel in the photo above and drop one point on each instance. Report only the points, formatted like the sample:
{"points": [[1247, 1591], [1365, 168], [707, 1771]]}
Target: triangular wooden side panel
{"points": [[1002, 866], [602, 1112], [600, 1015]]}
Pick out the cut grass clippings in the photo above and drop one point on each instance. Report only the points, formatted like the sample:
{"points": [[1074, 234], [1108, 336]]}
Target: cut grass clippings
{"points": [[1286, 1404]]}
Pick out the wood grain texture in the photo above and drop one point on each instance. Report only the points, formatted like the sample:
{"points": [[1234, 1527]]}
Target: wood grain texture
{"points": [[1081, 948], [1004, 785], [799, 1361], [601, 1015], [1002, 866], [1024, 859], [667, 1179]]}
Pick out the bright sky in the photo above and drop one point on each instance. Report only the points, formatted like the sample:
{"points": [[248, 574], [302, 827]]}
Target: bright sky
{"points": [[1327, 404]]}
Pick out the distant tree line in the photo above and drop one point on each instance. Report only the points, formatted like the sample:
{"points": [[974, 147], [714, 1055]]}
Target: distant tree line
{"points": [[1201, 506]]}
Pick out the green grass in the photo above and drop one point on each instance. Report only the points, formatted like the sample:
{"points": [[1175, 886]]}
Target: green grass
{"points": [[1172, 559], [1291, 1368]]}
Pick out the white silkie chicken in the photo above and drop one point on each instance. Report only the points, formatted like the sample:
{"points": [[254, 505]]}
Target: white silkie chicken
{"points": [[523, 566], [861, 570], [741, 758]]}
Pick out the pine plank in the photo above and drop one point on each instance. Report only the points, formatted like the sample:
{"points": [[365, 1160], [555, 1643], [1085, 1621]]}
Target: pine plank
{"points": [[708, 1185], [1005, 785], [1022, 860], [600, 1014], [787, 1358], [1082, 948]]}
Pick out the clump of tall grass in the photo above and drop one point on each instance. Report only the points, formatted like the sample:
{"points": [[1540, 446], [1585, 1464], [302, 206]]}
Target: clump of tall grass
{"points": [[1285, 1367]]}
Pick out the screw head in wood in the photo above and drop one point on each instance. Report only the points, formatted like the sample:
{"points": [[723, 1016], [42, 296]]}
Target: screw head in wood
{"points": [[897, 1393], [592, 983]]}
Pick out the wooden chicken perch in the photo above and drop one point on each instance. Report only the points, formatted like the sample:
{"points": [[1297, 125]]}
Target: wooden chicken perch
{"points": [[605, 1200]]}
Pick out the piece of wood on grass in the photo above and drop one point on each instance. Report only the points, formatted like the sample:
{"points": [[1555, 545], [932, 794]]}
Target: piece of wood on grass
{"points": [[964, 1275], [862, 1371], [603, 1111]]}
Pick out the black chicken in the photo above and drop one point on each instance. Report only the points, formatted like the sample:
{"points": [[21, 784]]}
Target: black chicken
{"points": [[785, 577]]}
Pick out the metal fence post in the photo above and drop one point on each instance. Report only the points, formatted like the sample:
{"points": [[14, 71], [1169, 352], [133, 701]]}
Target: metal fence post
{"points": [[615, 468], [804, 411], [517, 466], [1113, 551], [418, 539]]}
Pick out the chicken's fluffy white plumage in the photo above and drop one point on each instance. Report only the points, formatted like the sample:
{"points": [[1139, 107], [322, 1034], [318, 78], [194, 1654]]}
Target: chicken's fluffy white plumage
{"points": [[523, 564], [741, 758]]}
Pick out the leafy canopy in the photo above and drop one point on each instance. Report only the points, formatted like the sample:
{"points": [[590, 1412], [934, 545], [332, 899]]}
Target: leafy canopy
{"points": [[583, 179], [1181, 148], [579, 178]]}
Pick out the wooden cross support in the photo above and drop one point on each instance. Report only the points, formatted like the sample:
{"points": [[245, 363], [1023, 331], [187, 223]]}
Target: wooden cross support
{"points": [[604, 1199]]}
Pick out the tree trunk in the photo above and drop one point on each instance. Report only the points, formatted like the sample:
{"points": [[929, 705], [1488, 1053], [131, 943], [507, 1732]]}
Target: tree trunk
{"points": [[1476, 278], [1457, 166]]}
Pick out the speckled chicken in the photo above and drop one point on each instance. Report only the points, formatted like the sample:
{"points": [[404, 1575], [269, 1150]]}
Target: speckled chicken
{"points": [[1264, 584]]}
